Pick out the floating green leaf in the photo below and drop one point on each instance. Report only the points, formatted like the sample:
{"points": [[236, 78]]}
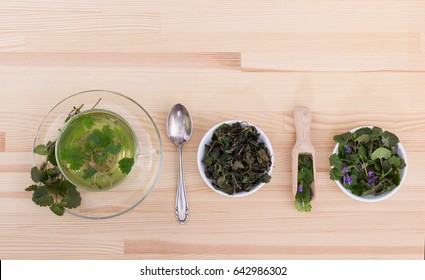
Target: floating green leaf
{"points": [[126, 164], [88, 121], [75, 157], [115, 149], [89, 172]]}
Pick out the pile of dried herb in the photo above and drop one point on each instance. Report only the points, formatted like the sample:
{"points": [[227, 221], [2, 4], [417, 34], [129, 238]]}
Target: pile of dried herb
{"points": [[367, 161], [305, 179], [235, 159]]}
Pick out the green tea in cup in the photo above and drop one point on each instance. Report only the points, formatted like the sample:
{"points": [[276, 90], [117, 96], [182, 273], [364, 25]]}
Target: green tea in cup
{"points": [[96, 150]]}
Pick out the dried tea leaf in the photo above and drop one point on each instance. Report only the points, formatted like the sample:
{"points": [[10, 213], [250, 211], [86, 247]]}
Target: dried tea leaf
{"points": [[235, 159]]}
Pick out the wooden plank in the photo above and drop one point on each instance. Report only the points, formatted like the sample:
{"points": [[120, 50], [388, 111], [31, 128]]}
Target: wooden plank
{"points": [[301, 16], [323, 42], [284, 62]]}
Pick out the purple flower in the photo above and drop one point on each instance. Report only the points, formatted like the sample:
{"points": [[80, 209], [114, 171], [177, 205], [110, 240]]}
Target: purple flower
{"points": [[345, 169], [372, 178], [300, 188], [347, 179], [347, 149]]}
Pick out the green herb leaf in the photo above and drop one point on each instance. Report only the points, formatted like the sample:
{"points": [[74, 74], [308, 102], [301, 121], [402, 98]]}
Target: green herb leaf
{"points": [[42, 197], [336, 174], [75, 156], [115, 149], [126, 164], [381, 153], [89, 172], [390, 139], [72, 198], [88, 121], [363, 138], [100, 158], [394, 161], [31, 188], [377, 132], [335, 161], [57, 208], [306, 207], [342, 139], [41, 150], [37, 175]]}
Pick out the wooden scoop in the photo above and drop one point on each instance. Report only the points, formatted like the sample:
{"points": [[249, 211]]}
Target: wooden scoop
{"points": [[302, 119]]}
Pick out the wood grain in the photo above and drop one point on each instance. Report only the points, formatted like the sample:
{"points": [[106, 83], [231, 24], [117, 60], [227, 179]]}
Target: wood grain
{"points": [[2, 141], [351, 62]]}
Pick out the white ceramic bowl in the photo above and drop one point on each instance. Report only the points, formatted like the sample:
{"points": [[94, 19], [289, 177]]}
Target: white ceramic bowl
{"points": [[385, 195], [201, 152]]}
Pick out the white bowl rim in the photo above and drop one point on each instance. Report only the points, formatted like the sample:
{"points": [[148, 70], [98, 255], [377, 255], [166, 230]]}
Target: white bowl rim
{"points": [[383, 196], [207, 138]]}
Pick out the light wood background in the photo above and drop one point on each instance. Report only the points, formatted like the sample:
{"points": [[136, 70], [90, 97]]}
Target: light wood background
{"points": [[351, 62]]}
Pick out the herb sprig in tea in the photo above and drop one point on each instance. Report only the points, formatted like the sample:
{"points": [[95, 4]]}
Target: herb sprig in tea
{"points": [[95, 154], [367, 161], [305, 179], [235, 159]]}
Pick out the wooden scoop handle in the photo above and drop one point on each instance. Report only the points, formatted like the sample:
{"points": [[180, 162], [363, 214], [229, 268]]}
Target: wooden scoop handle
{"points": [[302, 119]]}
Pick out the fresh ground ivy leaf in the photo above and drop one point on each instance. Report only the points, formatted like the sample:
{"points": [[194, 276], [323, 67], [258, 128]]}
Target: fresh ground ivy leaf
{"points": [[381, 153], [57, 208], [390, 139], [335, 160], [126, 164], [41, 150], [72, 196], [304, 181], [364, 138], [42, 197], [367, 167], [31, 188], [235, 159], [37, 175]]}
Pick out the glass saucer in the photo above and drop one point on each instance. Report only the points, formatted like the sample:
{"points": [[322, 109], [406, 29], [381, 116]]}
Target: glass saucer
{"points": [[131, 192]]}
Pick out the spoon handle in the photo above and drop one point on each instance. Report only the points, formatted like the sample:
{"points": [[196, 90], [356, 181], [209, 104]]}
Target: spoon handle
{"points": [[302, 119], [182, 209]]}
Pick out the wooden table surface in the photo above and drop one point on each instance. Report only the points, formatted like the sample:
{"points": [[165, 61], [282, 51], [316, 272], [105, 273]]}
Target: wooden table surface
{"points": [[351, 62]]}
